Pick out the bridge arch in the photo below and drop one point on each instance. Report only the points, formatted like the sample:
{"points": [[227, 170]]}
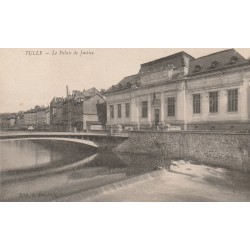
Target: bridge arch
{"points": [[82, 141]]}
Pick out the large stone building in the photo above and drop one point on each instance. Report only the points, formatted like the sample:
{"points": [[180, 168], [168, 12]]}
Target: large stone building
{"points": [[210, 92], [30, 118], [78, 111], [37, 117]]}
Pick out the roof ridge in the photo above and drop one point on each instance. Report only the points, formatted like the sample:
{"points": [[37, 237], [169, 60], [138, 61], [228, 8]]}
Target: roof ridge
{"points": [[169, 56], [220, 68], [213, 54], [130, 75], [127, 77]]}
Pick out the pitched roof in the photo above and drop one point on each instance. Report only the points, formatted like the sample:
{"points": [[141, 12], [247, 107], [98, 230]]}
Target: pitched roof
{"points": [[215, 61], [178, 60], [125, 83], [85, 95], [90, 92], [89, 97]]}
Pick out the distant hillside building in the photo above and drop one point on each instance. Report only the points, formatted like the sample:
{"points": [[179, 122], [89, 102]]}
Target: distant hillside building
{"points": [[77, 111], [30, 118], [20, 119], [7, 120], [210, 92], [37, 117], [42, 114]]}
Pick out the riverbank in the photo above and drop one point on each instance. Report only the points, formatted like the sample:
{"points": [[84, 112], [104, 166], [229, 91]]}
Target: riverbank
{"points": [[184, 182], [225, 149]]}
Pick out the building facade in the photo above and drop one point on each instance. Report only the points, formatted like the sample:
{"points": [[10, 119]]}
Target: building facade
{"points": [[7, 121], [76, 111], [210, 92], [37, 117], [20, 119], [30, 118]]}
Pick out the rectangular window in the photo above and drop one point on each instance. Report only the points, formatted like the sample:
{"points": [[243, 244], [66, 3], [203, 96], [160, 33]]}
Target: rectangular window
{"points": [[111, 111], [127, 109], [171, 106], [213, 102], [144, 109], [119, 111], [196, 104], [233, 100]]}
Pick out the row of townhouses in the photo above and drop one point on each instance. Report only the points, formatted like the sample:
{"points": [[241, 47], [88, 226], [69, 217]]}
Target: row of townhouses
{"points": [[178, 91], [210, 92], [7, 120], [38, 117], [80, 111]]}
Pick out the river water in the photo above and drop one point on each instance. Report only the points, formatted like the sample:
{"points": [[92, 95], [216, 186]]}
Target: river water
{"points": [[40, 170], [47, 170]]}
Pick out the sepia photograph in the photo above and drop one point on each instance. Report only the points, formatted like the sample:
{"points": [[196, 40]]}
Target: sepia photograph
{"points": [[125, 125]]}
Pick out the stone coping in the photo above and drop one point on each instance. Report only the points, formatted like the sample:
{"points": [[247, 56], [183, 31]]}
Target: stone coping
{"points": [[190, 132]]}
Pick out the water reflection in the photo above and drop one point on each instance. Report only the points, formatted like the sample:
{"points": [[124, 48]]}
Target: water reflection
{"points": [[20, 154], [47, 170], [26, 155], [32, 169]]}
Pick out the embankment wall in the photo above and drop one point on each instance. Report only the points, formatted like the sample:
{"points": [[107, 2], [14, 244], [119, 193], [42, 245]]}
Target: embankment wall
{"points": [[224, 149]]}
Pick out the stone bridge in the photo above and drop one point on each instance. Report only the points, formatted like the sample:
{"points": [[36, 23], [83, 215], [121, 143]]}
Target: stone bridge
{"points": [[97, 140]]}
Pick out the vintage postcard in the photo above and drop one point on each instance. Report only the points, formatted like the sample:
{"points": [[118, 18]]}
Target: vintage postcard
{"points": [[153, 125]]}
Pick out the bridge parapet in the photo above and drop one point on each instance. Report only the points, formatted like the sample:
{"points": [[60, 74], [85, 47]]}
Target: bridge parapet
{"points": [[95, 140]]}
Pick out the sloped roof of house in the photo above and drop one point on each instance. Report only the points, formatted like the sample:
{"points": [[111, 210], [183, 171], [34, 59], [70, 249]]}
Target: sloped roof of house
{"points": [[86, 94], [7, 115], [30, 111], [125, 83], [215, 61], [90, 92], [177, 60], [211, 62], [42, 109], [89, 97], [56, 100]]}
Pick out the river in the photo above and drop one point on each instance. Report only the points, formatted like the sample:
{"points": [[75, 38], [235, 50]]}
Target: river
{"points": [[40, 170], [48, 170]]}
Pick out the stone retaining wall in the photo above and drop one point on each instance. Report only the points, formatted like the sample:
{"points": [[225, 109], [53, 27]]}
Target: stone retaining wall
{"points": [[224, 149]]}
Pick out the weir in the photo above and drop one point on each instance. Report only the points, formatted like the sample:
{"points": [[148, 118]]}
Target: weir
{"points": [[93, 193]]}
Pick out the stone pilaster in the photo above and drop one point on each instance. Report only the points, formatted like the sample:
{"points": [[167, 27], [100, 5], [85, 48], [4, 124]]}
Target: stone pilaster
{"points": [[162, 116], [149, 110]]}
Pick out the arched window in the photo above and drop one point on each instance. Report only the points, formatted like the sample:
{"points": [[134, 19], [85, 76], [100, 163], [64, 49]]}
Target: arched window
{"points": [[234, 60], [197, 68], [215, 64], [129, 84]]}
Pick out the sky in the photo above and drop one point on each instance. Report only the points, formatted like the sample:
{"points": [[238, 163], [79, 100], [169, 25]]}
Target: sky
{"points": [[27, 80]]}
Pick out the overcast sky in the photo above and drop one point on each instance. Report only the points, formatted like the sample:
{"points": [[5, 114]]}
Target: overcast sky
{"points": [[29, 80]]}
